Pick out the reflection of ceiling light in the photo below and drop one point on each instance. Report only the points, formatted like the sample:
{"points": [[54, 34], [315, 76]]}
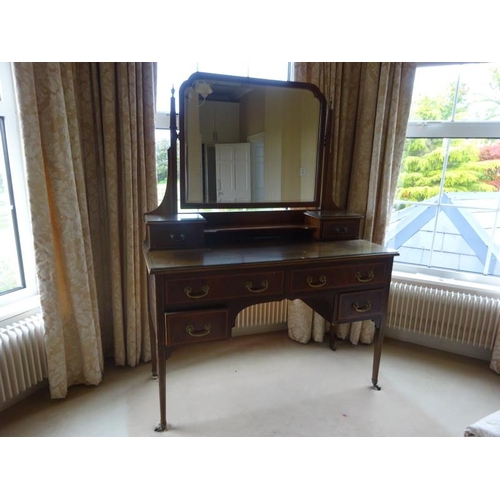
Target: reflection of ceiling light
{"points": [[203, 89]]}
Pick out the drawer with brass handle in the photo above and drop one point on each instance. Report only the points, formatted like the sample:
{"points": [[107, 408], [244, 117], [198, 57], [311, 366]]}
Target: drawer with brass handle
{"points": [[223, 287], [358, 305], [177, 236], [261, 283], [374, 273], [313, 279], [196, 326], [339, 275], [193, 290], [341, 230]]}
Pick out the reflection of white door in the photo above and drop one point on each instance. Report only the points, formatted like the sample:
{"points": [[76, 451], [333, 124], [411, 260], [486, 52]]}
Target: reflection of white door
{"points": [[257, 161], [233, 172]]}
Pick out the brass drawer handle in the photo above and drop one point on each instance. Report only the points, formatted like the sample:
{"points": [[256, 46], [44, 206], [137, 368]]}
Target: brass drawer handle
{"points": [[365, 280], [200, 333], [341, 231], [188, 290], [362, 309], [322, 281], [177, 237], [264, 284]]}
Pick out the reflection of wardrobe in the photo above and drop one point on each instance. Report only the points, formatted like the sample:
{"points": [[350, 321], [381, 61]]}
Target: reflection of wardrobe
{"points": [[219, 122]]}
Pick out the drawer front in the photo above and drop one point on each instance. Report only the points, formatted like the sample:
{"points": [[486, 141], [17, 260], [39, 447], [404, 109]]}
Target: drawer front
{"points": [[196, 326], [341, 229], [355, 306], [363, 274], [248, 285], [333, 276], [177, 236], [315, 279], [223, 287], [194, 290]]}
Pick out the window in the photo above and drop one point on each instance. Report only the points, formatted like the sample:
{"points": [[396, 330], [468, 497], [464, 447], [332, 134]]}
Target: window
{"points": [[17, 270], [446, 214], [172, 75]]}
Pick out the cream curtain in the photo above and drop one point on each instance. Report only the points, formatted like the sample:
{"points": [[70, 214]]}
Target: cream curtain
{"points": [[371, 104], [88, 132], [495, 358]]}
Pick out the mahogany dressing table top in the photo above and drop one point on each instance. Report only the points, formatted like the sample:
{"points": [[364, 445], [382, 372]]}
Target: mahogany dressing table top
{"points": [[161, 261]]}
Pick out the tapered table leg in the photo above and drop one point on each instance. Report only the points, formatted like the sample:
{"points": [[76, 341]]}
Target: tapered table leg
{"points": [[379, 340], [332, 336], [163, 354], [154, 350]]}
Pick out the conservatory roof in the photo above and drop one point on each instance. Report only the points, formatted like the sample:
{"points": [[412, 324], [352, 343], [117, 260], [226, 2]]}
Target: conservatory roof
{"points": [[464, 225]]}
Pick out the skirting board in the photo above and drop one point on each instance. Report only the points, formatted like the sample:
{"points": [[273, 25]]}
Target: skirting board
{"points": [[436, 343], [28, 392]]}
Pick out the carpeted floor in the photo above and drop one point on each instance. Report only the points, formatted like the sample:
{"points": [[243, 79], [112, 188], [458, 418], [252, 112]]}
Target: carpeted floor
{"points": [[267, 385]]}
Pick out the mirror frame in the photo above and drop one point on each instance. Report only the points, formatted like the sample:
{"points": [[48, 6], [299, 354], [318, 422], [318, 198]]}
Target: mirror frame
{"points": [[258, 82]]}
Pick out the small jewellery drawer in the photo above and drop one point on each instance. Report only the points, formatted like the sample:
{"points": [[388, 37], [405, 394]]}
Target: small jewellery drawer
{"points": [[341, 229], [357, 305], [174, 236], [245, 285], [196, 326]]}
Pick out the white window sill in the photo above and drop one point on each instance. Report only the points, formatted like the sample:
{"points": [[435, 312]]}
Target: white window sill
{"points": [[448, 283], [19, 310]]}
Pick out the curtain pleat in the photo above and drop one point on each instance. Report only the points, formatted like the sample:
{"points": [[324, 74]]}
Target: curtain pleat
{"points": [[495, 357]]}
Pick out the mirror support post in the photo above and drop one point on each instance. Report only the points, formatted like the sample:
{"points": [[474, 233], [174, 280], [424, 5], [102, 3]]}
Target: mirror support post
{"points": [[172, 166], [326, 202], [168, 206], [171, 192]]}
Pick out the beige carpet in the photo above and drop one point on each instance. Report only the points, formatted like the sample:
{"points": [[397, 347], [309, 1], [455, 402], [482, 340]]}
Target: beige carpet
{"points": [[268, 385]]}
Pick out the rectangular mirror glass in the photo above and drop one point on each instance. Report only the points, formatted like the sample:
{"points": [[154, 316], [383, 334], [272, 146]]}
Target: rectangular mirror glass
{"points": [[248, 142]]}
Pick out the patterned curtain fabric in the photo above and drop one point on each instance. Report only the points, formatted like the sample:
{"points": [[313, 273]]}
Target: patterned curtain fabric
{"points": [[495, 358], [370, 105], [88, 131]]}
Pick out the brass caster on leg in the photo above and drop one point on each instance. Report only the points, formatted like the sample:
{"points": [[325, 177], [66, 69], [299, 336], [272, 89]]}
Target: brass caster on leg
{"points": [[161, 428]]}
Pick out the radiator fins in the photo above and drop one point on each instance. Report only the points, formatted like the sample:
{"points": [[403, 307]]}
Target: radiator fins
{"points": [[22, 357], [444, 314]]}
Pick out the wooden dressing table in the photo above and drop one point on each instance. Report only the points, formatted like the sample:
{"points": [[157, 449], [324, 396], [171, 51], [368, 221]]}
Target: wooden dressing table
{"points": [[205, 267]]}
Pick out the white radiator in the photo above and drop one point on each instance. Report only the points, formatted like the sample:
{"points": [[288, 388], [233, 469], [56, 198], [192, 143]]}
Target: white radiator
{"points": [[263, 317], [444, 314], [22, 357]]}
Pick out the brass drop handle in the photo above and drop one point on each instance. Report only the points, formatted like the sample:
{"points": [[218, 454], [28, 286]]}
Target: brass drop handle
{"points": [[177, 237], [188, 291], [264, 284], [362, 309], [371, 275], [338, 230], [201, 333], [322, 282]]}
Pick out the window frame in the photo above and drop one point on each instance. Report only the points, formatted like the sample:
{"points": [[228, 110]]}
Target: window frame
{"points": [[26, 298], [435, 129]]}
